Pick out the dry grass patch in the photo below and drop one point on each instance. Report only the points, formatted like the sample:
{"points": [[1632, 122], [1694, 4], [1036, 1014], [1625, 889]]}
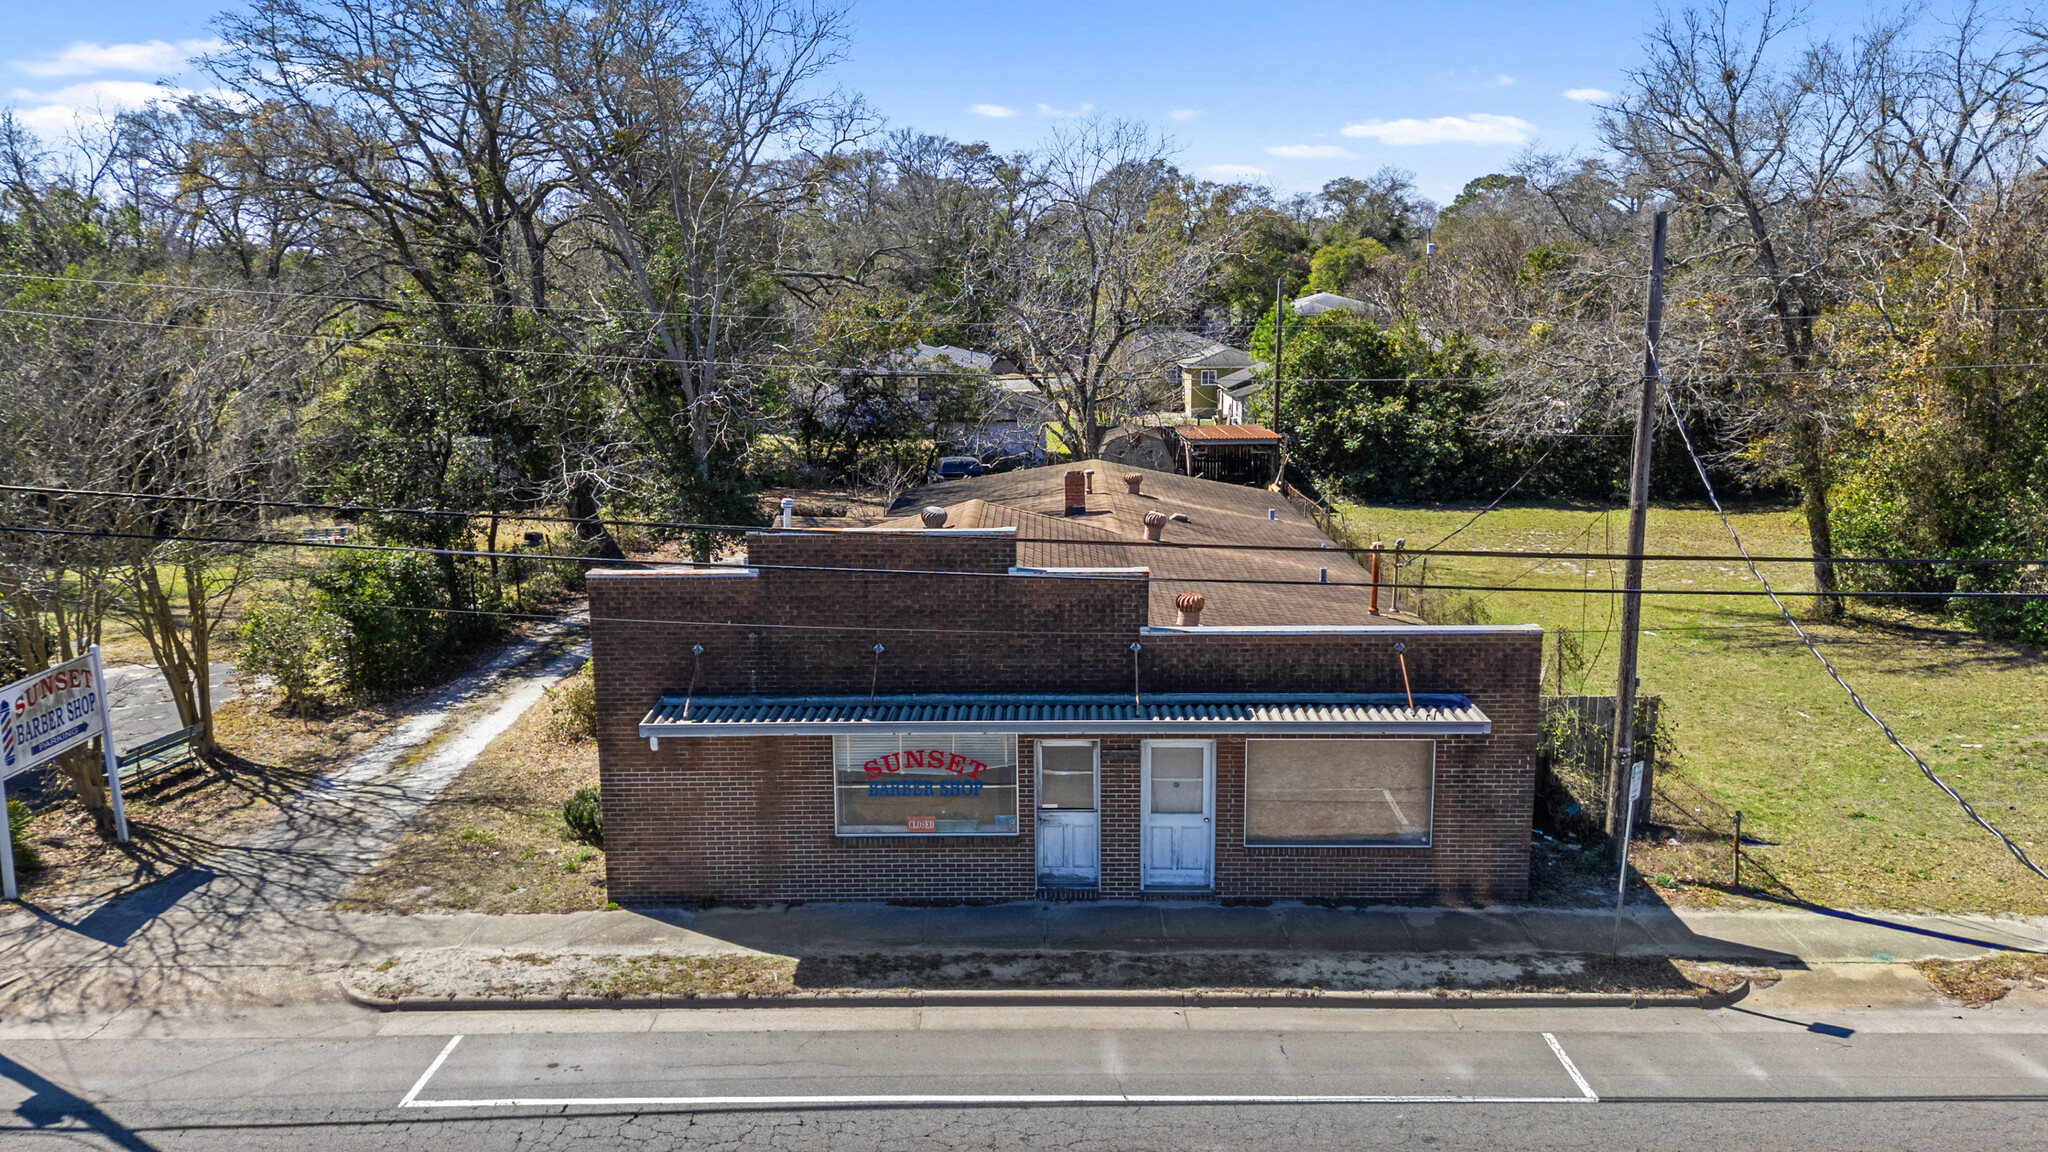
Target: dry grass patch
{"points": [[495, 841], [1986, 979], [452, 972]]}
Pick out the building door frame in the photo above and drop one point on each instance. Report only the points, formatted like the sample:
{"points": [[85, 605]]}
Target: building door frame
{"points": [[1177, 850], [1069, 839]]}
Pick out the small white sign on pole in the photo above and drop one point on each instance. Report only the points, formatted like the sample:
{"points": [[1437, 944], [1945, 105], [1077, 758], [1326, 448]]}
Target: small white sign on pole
{"points": [[46, 715]]}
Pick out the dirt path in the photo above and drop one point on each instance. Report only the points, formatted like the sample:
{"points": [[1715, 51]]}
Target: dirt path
{"points": [[235, 905]]}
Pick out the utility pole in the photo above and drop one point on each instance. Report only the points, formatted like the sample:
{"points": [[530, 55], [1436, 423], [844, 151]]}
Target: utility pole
{"points": [[1279, 336], [1621, 806]]}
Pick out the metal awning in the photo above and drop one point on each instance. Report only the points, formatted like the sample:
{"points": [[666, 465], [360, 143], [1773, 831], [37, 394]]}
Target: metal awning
{"points": [[1157, 713]]}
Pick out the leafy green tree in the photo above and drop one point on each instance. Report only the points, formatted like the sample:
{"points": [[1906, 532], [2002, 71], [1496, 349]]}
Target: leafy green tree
{"points": [[1336, 267], [1382, 414]]}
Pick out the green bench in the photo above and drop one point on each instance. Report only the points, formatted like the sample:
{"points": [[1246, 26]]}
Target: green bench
{"points": [[159, 755]]}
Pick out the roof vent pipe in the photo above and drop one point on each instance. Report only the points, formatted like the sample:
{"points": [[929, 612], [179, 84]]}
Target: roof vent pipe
{"points": [[1090, 474], [1134, 482], [1077, 492], [933, 516], [1155, 523], [1272, 513], [788, 512], [1190, 605]]}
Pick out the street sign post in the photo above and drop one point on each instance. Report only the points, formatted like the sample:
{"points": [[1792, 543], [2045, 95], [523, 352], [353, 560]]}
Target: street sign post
{"points": [[1628, 830], [46, 715]]}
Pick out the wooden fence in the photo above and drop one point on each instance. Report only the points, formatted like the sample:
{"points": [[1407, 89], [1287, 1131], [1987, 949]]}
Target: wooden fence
{"points": [[1575, 757]]}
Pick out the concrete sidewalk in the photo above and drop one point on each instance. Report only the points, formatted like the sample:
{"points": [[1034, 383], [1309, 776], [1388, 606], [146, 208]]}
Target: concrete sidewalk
{"points": [[226, 939], [113, 960]]}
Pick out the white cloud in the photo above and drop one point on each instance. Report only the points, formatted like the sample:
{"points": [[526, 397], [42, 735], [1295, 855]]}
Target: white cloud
{"points": [[85, 58], [993, 110], [1313, 152], [1588, 95], [1478, 128], [1183, 114], [1065, 113], [1503, 79], [51, 114], [1235, 171]]}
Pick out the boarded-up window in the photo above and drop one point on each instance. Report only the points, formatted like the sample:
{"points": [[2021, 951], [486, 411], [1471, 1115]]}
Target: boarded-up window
{"points": [[900, 785], [1338, 793]]}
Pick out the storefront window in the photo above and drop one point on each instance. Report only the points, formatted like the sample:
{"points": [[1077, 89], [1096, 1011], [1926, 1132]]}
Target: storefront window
{"points": [[1339, 793], [925, 785]]}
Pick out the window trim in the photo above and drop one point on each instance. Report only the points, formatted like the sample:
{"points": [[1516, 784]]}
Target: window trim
{"points": [[1428, 840], [1016, 797], [1038, 773]]}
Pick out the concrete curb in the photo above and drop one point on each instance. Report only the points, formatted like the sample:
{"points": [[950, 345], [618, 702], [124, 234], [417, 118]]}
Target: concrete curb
{"points": [[1137, 998]]}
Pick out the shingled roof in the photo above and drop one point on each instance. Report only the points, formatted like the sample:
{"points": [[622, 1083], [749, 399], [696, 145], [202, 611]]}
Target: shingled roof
{"points": [[1287, 549]]}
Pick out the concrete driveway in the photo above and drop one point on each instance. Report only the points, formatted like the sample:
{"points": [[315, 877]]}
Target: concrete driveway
{"points": [[142, 704]]}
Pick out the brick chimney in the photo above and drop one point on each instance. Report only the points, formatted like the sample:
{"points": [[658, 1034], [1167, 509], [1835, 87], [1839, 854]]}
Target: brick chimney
{"points": [[1077, 492], [1190, 605]]}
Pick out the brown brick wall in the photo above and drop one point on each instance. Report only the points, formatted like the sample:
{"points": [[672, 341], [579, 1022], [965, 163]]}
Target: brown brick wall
{"points": [[752, 818]]}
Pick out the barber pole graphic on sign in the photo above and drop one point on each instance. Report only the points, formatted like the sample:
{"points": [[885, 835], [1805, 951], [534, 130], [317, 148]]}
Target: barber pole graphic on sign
{"points": [[46, 715], [50, 713]]}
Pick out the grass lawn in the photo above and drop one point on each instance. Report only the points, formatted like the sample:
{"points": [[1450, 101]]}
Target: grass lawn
{"points": [[495, 841], [1755, 724]]}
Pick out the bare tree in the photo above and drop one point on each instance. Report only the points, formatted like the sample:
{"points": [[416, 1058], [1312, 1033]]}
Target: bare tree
{"points": [[1099, 263], [684, 129], [1763, 145]]}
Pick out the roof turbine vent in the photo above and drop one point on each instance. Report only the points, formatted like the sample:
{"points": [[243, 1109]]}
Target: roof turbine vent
{"points": [[1134, 482], [1190, 605], [933, 516], [1155, 523]]}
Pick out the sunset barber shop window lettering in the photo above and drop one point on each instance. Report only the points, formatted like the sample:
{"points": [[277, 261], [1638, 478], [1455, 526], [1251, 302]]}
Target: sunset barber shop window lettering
{"points": [[1339, 793], [910, 785]]}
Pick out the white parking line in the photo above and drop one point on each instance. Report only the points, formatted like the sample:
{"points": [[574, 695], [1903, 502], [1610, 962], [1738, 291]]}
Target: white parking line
{"points": [[412, 1099], [429, 1073], [1569, 1067]]}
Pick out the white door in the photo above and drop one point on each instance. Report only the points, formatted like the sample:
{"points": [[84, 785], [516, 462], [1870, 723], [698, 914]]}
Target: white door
{"points": [[1179, 833], [1069, 814]]}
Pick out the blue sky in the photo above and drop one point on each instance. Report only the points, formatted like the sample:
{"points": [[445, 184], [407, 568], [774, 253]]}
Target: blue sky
{"points": [[1290, 95]]}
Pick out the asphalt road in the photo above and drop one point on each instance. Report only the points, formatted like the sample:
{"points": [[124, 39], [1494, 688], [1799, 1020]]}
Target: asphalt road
{"points": [[1006, 1078]]}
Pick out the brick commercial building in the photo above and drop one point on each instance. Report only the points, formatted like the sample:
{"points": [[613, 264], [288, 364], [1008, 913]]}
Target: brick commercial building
{"points": [[1027, 701]]}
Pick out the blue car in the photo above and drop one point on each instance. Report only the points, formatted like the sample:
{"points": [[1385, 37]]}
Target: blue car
{"points": [[954, 467]]}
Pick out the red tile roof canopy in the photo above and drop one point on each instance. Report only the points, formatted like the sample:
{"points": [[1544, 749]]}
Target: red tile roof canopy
{"points": [[1206, 434]]}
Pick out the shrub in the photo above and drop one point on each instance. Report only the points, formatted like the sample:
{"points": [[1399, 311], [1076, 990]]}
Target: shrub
{"points": [[585, 816], [387, 637], [1444, 608], [575, 712], [292, 644], [26, 858]]}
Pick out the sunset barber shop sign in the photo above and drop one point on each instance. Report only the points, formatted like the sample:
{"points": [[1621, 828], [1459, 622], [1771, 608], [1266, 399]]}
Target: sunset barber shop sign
{"points": [[46, 715]]}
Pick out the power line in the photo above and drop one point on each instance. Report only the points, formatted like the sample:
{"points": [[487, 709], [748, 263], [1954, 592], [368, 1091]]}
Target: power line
{"points": [[621, 358], [2017, 852], [516, 516], [87, 533], [396, 304], [1761, 319], [1505, 492]]}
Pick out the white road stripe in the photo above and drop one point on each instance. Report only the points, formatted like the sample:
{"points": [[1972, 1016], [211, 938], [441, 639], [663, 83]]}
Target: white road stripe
{"points": [[429, 1073], [1571, 1068], [412, 1099], [934, 1100]]}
